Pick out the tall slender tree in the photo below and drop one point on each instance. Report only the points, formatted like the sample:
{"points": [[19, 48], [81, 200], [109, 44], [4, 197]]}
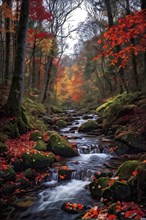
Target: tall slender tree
{"points": [[14, 102]]}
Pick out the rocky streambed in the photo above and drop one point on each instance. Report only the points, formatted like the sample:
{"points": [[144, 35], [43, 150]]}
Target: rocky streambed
{"points": [[94, 158]]}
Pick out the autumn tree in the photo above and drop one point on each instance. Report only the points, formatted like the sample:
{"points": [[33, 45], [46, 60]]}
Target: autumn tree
{"points": [[60, 11], [14, 103]]}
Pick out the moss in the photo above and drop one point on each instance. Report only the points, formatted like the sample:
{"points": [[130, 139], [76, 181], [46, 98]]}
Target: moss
{"points": [[97, 187], [38, 160], [41, 146], [61, 146], [126, 169], [30, 174], [36, 136], [113, 106], [88, 126], [60, 123], [120, 190], [34, 109]]}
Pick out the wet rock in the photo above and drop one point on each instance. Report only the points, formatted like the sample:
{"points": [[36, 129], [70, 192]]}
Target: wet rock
{"points": [[25, 202], [74, 208], [87, 117], [36, 136], [88, 126], [133, 139], [65, 174], [97, 186], [61, 146], [60, 123], [109, 189]]}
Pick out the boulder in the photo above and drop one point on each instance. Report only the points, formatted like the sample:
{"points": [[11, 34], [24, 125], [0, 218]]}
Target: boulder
{"points": [[38, 160], [41, 146], [132, 139], [61, 147], [60, 123], [124, 172], [36, 136], [88, 126]]}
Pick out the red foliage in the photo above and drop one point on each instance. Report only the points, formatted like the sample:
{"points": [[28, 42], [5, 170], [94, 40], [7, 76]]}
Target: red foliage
{"points": [[38, 11], [132, 26]]}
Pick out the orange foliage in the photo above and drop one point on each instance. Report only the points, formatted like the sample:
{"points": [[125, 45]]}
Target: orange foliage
{"points": [[132, 26]]}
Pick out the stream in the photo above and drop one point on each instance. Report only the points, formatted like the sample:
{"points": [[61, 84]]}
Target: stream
{"points": [[47, 202]]}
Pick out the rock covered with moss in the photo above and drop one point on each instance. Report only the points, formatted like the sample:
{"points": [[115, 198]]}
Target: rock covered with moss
{"points": [[132, 139], [61, 146], [60, 123], [41, 146], [36, 136], [88, 126], [38, 160]]}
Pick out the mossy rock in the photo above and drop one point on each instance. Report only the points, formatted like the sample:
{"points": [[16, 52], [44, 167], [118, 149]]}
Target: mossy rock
{"points": [[41, 146], [132, 139], [119, 191], [66, 174], [3, 148], [8, 174], [97, 186], [88, 126], [124, 172], [60, 123], [38, 160], [61, 147], [36, 136], [30, 174]]}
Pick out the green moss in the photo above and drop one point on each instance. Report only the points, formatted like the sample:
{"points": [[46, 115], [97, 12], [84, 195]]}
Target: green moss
{"points": [[60, 123], [61, 146], [30, 174], [36, 136], [97, 187], [113, 106], [88, 126], [41, 146], [34, 109], [126, 169], [38, 160]]}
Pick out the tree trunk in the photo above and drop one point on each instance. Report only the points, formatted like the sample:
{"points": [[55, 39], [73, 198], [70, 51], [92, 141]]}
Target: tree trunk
{"points": [[134, 60], [47, 77], [7, 45], [14, 103], [121, 70]]}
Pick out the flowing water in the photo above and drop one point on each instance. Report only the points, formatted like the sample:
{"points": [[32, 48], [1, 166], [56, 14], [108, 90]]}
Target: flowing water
{"points": [[48, 202]]}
